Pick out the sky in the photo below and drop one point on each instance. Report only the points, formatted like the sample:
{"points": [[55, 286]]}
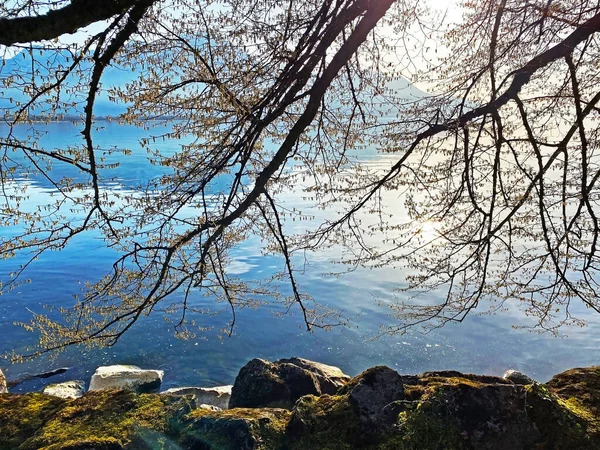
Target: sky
{"points": [[449, 9]]}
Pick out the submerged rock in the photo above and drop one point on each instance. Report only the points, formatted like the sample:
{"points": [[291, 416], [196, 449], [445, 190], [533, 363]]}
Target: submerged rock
{"points": [[216, 396], [126, 377], [3, 387], [279, 384], [68, 389], [517, 377]]}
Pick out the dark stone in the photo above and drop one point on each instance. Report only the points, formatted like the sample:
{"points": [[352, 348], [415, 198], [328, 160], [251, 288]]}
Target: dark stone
{"points": [[490, 416], [236, 431], [371, 393], [493, 416], [281, 383], [410, 380], [490, 379], [330, 378], [241, 429]]}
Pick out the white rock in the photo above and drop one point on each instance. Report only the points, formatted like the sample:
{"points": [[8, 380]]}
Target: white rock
{"points": [[3, 387], [68, 389], [126, 377], [209, 407], [216, 396], [517, 377]]}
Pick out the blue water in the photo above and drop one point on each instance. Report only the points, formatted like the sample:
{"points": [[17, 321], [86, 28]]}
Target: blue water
{"points": [[483, 344]]}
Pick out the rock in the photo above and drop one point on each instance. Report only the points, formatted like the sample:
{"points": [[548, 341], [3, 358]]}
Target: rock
{"points": [[579, 387], [217, 396], [459, 412], [126, 377], [489, 379], [377, 410], [370, 393], [489, 416], [330, 378], [68, 389], [446, 410], [279, 384], [239, 429], [208, 407], [517, 377], [3, 387], [100, 420]]}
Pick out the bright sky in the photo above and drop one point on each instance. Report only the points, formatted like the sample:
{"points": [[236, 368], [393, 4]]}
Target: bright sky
{"points": [[448, 8]]}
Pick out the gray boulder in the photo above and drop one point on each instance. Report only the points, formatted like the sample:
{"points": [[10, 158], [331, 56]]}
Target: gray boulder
{"points": [[279, 384], [3, 387], [216, 396], [517, 377], [126, 377], [68, 389], [330, 378]]}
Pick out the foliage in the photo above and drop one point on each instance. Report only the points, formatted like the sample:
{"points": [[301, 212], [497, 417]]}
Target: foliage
{"points": [[496, 168]]}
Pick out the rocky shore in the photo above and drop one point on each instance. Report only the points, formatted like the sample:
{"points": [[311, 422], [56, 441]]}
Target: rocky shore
{"points": [[295, 404]]}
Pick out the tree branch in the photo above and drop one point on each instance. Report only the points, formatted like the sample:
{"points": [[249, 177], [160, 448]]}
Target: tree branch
{"points": [[66, 20]]}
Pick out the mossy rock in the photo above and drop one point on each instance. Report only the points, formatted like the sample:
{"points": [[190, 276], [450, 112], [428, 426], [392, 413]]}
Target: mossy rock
{"points": [[21, 416], [333, 423], [104, 420], [561, 426], [580, 390], [235, 429], [328, 422], [436, 411]]}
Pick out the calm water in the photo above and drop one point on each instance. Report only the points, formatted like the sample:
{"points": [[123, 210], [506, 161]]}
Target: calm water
{"points": [[483, 344]]}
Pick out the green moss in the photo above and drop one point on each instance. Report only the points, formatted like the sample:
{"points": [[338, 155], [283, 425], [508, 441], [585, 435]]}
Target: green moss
{"points": [[562, 425], [106, 419], [581, 410], [21, 416], [422, 429], [328, 422], [437, 412], [579, 390], [232, 429]]}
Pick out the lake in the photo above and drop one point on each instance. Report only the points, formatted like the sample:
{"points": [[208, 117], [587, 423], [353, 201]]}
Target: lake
{"points": [[482, 344]]}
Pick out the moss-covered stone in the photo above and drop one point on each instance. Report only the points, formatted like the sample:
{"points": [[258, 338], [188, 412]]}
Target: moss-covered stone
{"points": [[328, 422], [21, 416], [103, 420], [422, 428], [235, 429], [333, 423], [579, 389], [435, 411], [560, 426]]}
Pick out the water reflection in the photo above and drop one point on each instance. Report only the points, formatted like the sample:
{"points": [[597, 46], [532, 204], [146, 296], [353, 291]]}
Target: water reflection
{"points": [[485, 344]]}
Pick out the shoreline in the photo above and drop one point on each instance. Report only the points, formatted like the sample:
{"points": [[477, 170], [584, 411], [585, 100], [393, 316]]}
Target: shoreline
{"points": [[297, 404]]}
